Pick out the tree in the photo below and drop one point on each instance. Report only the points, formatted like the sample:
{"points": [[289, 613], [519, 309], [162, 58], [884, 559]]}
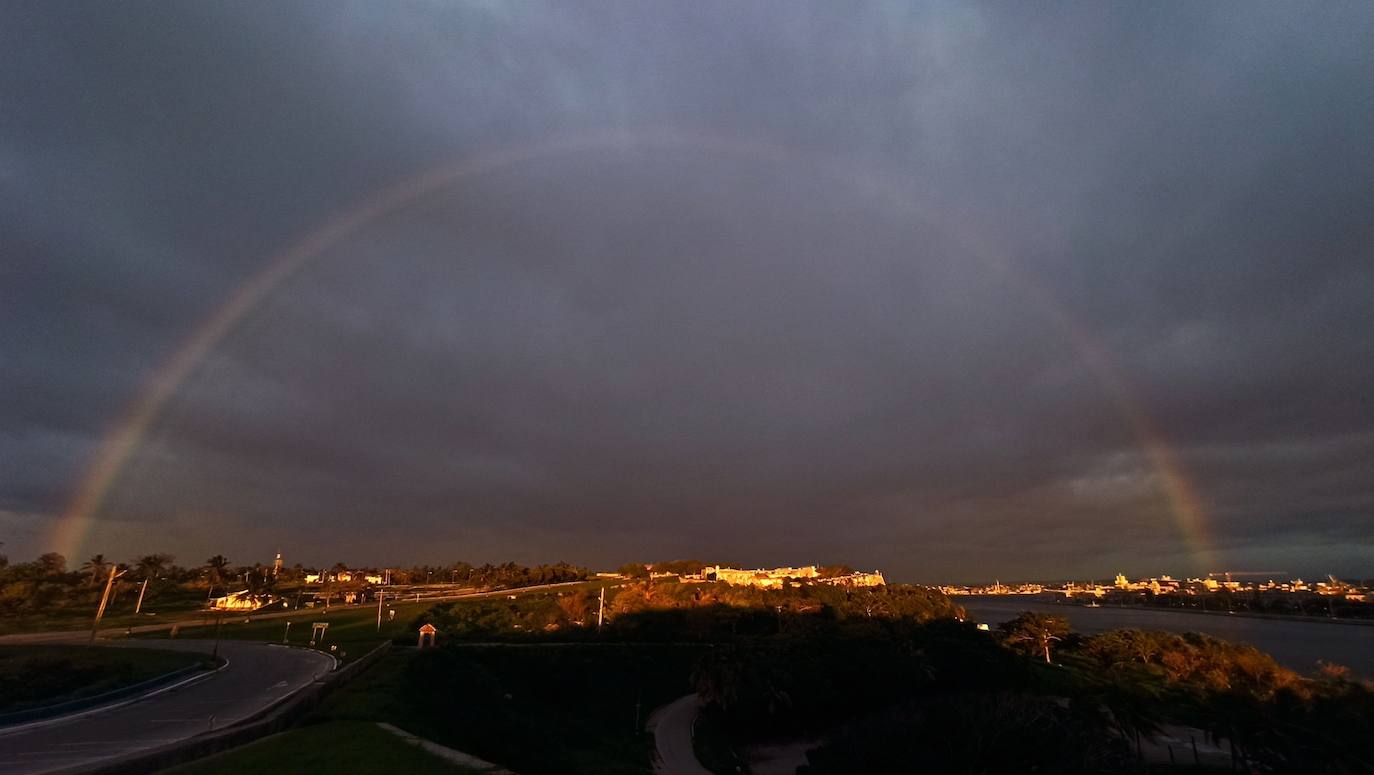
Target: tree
{"points": [[51, 564], [261, 587], [96, 567], [680, 567], [460, 571], [150, 566], [1035, 632], [577, 606], [216, 570]]}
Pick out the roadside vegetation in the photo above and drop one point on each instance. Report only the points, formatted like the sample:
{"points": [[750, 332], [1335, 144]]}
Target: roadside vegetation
{"points": [[48, 594], [528, 681], [887, 679], [883, 679], [353, 631], [555, 708], [1098, 700], [35, 676], [340, 747]]}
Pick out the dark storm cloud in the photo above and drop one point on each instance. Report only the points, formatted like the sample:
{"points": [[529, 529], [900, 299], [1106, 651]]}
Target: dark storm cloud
{"points": [[863, 344]]}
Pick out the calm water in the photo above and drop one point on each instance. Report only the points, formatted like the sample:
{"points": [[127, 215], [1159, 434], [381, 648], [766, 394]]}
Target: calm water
{"points": [[1295, 644]]}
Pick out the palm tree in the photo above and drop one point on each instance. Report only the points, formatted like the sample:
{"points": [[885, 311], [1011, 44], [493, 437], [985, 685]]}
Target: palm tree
{"points": [[261, 587], [151, 566], [216, 568], [95, 566]]}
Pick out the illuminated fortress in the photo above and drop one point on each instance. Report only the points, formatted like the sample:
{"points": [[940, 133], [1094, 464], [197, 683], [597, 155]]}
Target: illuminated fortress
{"points": [[774, 578]]}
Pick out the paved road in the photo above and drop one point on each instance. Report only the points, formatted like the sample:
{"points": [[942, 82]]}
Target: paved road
{"points": [[257, 676], [672, 727]]}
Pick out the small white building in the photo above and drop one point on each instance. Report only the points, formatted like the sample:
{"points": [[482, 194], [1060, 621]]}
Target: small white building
{"points": [[239, 601]]}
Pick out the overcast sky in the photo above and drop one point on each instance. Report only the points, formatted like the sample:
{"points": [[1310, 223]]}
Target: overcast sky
{"points": [[864, 307]]}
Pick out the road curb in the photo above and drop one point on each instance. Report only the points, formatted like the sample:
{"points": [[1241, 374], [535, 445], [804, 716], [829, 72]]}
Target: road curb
{"points": [[444, 752], [117, 699], [277, 717], [332, 669]]}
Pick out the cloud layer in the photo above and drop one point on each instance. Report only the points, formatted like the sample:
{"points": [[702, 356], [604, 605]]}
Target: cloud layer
{"points": [[892, 306]]}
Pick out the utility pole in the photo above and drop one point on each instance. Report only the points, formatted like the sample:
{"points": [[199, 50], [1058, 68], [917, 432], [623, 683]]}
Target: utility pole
{"points": [[601, 610], [286, 637], [380, 596], [218, 619], [141, 590], [104, 599]]}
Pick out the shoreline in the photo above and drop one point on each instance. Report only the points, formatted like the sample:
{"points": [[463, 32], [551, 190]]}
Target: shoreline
{"points": [[1168, 609]]}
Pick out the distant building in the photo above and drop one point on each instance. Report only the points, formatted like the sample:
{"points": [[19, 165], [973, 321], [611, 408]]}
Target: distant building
{"points": [[767, 579], [858, 579], [344, 576], [239, 601], [774, 578]]}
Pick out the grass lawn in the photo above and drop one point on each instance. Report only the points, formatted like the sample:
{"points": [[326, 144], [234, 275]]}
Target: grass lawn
{"points": [[32, 676], [352, 630], [80, 618], [534, 708], [78, 611], [353, 747]]}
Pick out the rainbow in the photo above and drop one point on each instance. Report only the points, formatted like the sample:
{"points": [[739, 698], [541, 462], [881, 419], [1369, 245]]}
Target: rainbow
{"points": [[128, 432]]}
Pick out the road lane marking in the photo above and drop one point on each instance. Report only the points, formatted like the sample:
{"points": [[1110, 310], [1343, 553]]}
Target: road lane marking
{"points": [[113, 706]]}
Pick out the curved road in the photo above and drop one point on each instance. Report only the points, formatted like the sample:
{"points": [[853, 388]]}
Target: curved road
{"points": [[257, 676]]}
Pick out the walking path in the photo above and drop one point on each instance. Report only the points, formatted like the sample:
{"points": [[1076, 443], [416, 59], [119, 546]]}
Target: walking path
{"points": [[672, 726]]}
